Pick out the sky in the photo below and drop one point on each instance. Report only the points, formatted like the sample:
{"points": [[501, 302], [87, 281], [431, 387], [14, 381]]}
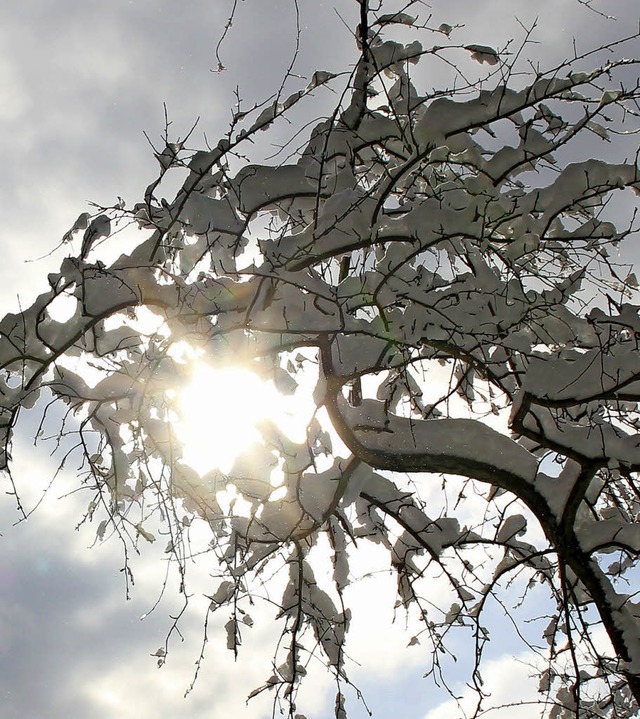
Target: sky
{"points": [[80, 82]]}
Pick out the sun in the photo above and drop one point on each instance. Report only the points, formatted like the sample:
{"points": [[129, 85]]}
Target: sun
{"points": [[219, 412]]}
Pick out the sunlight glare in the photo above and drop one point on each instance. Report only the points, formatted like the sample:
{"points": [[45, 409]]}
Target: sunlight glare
{"points": [[220, 410]]}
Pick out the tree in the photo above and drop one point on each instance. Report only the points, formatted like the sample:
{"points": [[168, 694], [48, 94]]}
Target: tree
{"points": [[444, 267]]}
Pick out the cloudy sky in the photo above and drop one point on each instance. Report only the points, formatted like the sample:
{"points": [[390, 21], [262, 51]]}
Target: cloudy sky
{"points": [[80, 80]]}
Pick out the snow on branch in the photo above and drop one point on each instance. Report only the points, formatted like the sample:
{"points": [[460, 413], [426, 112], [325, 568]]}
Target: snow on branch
{"points": [[449, 283]]}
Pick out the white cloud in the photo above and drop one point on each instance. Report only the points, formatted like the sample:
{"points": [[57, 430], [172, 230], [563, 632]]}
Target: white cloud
{"points": [[507, 683]]}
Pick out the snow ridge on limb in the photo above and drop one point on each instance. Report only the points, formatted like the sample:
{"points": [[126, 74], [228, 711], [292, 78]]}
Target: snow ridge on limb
{"points": [[455, 446]]}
